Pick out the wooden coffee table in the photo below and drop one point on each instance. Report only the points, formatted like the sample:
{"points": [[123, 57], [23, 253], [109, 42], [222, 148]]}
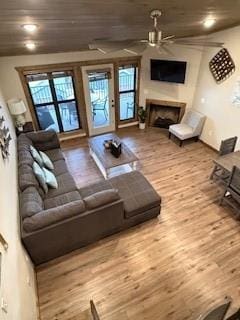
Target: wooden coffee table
{"points": [[106, 162]]}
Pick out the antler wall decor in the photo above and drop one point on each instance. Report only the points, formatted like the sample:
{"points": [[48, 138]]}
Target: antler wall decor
{"points": [[5, 138]]}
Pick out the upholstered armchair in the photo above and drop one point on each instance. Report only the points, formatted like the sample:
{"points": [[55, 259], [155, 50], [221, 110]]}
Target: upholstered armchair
{"points": [[190, 127]]}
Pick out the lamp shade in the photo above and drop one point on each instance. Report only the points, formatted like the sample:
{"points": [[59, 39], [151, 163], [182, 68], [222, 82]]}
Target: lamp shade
{"points": [[16, 107]]}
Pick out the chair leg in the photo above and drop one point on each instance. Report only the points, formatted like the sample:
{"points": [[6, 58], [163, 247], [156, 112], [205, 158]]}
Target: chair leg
{"points": [[169, 135], [213, 172], [222, 198], [180, 143]]}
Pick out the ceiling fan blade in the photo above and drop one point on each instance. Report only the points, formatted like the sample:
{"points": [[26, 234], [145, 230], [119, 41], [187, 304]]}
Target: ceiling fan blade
{"points": [[203, 43], [166, 51], [168, 38]]}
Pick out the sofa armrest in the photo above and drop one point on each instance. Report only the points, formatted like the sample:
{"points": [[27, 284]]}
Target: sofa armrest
{"points": [[44, 140], [51, 216]]}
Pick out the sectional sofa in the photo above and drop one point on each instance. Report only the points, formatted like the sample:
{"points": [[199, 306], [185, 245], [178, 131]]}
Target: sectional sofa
{"points": [[68, 218]]}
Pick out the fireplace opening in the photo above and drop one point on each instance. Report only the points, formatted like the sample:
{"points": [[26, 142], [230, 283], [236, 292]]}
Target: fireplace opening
{"points": [[163, 116]]}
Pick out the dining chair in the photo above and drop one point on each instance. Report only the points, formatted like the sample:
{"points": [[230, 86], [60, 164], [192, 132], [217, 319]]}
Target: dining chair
{"points": [[217, 313], [100, 105], [235, 316], [231, 193], [94, 312], [227, 146]]}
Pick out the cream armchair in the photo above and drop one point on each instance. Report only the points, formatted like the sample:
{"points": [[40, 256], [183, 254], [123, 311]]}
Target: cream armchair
{"points": [[190, 127]]}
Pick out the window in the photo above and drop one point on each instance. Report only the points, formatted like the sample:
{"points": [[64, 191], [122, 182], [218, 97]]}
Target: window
{"points": [[54, 100], [127, 91]]}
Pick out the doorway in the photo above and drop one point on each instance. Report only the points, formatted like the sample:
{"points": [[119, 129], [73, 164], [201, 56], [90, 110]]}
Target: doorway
{"points": [[98, 84]]}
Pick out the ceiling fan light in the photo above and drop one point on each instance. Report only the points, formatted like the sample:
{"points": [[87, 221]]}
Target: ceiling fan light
{"points": [[208, 23], [30, 45], [30, 27]]}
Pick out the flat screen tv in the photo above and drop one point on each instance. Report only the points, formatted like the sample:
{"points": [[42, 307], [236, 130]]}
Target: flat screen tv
{"points": [[168, 70]]}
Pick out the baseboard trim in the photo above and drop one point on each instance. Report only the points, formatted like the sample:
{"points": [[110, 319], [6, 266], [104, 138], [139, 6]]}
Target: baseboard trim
{"points": [[208, 145]]}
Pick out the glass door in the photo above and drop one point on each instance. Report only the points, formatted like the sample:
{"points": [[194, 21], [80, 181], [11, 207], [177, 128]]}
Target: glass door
{"points": [[54, 100], [98, 86]]}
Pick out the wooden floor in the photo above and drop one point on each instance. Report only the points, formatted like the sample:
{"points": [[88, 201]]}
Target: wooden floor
{"points": [[169, 268]]}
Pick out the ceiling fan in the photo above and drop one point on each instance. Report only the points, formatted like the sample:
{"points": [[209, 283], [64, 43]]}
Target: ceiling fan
{"points": [[155, 39]]}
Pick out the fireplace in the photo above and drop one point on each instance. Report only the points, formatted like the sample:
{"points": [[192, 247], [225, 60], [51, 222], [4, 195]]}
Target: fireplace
{"points": [[162, 114]]}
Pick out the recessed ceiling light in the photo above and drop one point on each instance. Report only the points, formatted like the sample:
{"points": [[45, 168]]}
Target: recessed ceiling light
{"points": [[208, 23], [30, 45], [30, 27]]}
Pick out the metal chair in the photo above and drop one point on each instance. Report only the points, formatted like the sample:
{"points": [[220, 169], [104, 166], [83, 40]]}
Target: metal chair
{"points": [[227, 146], [130, 107], [100, 105], [231, 193]]}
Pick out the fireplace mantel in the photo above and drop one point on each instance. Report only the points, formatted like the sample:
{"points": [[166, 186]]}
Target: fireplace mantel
{"points": [[164, 103]]}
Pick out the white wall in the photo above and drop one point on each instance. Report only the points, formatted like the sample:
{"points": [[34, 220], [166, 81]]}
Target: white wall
{"points": [[9, 79], [12, 87], [215, 100], [18, 278], [170, 91]]}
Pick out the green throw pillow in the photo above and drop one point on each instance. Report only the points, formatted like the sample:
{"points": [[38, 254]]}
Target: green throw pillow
{"points": [[46, 160], [40, 175], [36, 156], [50, 179]]}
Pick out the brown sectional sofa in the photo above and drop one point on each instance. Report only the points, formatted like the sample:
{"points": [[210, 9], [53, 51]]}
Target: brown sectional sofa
{"points": [[68, 218]]}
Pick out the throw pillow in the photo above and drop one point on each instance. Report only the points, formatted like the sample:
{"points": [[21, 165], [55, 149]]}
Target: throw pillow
{"points": [[50, 179], [40, 175], [46, 160], [36, 156]]}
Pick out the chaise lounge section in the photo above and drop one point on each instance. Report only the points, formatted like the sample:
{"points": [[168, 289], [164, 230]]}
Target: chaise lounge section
{"points": [[68, 218]]}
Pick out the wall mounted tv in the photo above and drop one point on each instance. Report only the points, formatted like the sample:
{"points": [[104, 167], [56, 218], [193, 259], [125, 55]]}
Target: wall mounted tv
{"points": [[168, 70]]}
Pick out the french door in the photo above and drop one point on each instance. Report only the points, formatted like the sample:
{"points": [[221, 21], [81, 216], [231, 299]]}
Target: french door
{"points": [[98, 84], [54, 100]]}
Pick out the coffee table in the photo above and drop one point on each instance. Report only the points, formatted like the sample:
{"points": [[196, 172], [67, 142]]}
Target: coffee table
{"points": [[106, 162]]}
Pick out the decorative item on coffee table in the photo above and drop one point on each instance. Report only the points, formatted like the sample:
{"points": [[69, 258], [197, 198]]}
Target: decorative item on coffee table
{"points": [[142, 115], [116, 148]]}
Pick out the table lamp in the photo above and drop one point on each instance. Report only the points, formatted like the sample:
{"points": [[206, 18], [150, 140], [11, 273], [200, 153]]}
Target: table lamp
{"points": [[17, 108]]}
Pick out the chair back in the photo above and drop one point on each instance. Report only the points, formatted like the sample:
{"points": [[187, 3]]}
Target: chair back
{"points": [[217, 313], [195, 120], [95, 315], [228, 146], [234, 182]]}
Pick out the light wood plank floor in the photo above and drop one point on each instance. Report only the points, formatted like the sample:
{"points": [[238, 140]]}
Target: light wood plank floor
{"points": [[170, 268]]}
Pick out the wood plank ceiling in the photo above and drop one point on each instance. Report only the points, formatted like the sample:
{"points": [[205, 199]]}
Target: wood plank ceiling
{"points": [[70, 25]]}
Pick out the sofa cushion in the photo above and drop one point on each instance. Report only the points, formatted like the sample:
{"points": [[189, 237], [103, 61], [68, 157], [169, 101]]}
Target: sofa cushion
{"points": [[101, 198], [40, 175], [65, 184], [50, 179], [62, 199], [36, 156], [95, 187], [182, 131], [136, 192], [26, 177], [55, 154], [23, 142], [60, 167], [25, 157], [30, 202], [48, 217], [46, 160]]}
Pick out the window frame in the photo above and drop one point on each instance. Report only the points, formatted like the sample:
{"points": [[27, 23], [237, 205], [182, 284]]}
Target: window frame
{"points": [[55, 102], [137, 65]]}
